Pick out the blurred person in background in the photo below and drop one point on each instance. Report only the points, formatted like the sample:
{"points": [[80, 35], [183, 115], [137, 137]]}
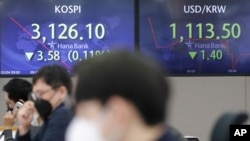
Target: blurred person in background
{"points": [[120, 96], [51, 86], [16, 92]]}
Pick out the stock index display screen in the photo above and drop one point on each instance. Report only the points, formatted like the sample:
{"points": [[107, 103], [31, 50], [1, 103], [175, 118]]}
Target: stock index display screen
{"points": [[197, 37], [35, 33]]}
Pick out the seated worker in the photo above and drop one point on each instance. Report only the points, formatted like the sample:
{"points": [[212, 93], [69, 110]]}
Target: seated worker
{"points": [[120, 96], [16, 92], [51, 86]]}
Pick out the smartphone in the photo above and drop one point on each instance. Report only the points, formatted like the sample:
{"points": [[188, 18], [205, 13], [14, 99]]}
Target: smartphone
{"points": [[17, 106]]}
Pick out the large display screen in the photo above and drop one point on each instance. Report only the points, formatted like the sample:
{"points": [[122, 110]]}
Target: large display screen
{"points": [[35, 33], [197, 37]]}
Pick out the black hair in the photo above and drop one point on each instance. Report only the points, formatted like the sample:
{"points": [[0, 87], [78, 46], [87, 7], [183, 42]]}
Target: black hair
{"points": [[132, 76], [18, 89], [54, 75]]}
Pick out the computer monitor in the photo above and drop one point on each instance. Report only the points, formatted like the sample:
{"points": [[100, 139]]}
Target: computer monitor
{"points": [[197, 37], [34, 33]]}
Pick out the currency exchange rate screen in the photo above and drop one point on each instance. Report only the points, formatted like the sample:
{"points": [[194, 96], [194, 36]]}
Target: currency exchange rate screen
{"points": [[197, 37], [35, 33]]}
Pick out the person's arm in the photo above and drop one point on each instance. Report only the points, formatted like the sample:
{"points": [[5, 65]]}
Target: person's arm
{"points": [[25, 116], [8, 122], [7, 133]]}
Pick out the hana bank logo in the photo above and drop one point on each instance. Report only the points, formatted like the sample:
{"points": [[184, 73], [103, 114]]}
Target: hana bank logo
{"points": [[189, 44]]}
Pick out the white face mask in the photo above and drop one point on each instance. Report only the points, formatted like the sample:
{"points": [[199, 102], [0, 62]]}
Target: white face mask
{"points": [[83, 130]]}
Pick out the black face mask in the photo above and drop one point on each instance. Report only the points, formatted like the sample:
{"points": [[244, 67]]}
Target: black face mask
{"points": [[44, 108]]}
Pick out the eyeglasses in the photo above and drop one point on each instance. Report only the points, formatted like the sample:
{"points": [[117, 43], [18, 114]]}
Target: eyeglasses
{"points": [[37, 95]]}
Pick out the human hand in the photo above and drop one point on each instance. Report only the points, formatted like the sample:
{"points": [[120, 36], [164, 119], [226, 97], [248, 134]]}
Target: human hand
{"points": [[9, 120], [25, 116]]}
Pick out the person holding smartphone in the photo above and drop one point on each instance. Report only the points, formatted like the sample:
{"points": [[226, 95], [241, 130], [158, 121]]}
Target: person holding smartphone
{"points": [[51, 88], [16, 92]]}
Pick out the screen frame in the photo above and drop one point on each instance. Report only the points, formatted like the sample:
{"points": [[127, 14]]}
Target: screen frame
{"points": [[168, 73], [135, 47]]}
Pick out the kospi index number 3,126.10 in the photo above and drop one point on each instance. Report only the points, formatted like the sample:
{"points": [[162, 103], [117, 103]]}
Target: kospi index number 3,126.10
{"points": [[63, 31]]}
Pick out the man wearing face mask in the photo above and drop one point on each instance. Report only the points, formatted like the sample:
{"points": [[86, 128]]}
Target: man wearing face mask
{"points": [[16, 91], [51, 86], [120, 97]]}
